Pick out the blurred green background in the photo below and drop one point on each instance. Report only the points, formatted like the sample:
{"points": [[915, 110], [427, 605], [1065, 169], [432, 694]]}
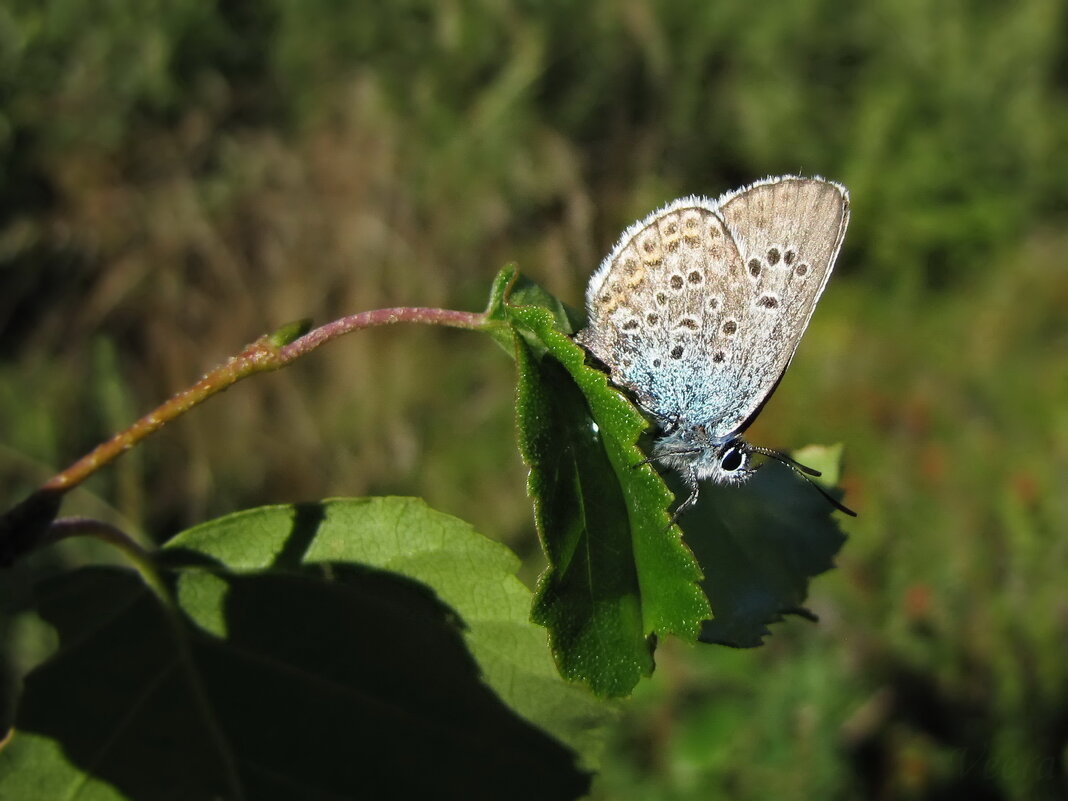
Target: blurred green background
{"points": [[179, 177]]}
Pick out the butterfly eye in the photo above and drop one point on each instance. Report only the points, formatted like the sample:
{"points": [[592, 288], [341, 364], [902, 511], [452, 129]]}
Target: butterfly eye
{"points": [[732, 460]]}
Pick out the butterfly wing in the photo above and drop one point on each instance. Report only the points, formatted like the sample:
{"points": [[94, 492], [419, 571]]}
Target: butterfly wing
{"points": [[700, 306], [656, 309], [788, 232]]}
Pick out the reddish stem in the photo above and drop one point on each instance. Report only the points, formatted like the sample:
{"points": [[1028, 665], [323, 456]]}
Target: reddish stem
{"points": [[261, 356]]}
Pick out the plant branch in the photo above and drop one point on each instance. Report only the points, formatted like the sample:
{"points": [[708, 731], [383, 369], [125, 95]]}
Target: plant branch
{"points": [[263, 355], [269, 352]]}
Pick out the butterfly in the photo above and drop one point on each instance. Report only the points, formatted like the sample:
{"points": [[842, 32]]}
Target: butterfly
{"points": [[699, 309]]}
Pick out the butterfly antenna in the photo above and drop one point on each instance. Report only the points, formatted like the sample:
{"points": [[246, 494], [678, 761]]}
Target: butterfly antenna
{"points": [[805, 472], [786, 460]]}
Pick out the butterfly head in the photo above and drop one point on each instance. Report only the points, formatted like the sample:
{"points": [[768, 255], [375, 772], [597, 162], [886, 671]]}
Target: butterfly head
{"points": [[698, 457]]}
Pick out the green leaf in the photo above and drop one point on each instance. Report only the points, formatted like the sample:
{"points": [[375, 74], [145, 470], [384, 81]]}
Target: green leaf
{"points": [[511, 289], [313, 651], [290, 332], [618, 574]]}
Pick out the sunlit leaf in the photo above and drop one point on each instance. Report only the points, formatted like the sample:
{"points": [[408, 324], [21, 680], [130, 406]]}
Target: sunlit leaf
{"points": [[618, 573]]}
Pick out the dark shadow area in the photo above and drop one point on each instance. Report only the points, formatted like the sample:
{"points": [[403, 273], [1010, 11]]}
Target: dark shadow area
{"points": [[962, 729], [23, 527], [353, 687]]}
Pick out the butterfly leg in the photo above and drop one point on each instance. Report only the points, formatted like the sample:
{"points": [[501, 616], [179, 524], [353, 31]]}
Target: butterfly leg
{"points": [[690, 477]]}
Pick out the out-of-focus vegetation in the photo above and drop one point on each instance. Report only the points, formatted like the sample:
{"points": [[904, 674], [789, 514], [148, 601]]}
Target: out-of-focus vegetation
{"points": [[177, 178]]}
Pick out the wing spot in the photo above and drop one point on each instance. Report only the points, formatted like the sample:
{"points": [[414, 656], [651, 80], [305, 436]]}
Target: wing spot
{"points": [[653, 253], [730, 327], [676, 282], [768, 301], [801, 270], [609, 303], [694, 277], [788, 257], [630, 325], [719, 356], [676, 352], [773, 256], [661, 298], [653, 318], [754, 267], [691, 230], [689, 322], [657, 362]]}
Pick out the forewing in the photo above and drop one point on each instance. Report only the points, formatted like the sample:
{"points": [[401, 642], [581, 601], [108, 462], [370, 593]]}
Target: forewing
{"points": [[788, 232]]}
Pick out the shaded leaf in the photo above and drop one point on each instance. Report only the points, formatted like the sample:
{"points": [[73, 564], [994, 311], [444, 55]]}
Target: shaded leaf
{"points": [[760, 543], [307, 658]]}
